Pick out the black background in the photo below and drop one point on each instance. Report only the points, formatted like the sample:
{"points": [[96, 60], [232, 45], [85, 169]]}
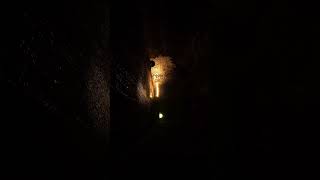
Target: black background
{"points": [[239, 104]]}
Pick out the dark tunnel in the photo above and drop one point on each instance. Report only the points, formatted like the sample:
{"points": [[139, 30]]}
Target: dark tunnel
{"points": [[80, 98]]}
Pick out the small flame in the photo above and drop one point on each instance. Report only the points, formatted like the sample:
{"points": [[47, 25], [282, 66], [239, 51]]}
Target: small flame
{"points": [[157, 89]]}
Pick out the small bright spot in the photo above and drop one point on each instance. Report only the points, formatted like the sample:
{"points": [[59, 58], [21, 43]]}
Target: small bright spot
{"points": [[160, 115]]}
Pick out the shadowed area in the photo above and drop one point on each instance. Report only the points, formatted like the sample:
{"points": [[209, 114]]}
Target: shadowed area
{"points": [[206, 89]]}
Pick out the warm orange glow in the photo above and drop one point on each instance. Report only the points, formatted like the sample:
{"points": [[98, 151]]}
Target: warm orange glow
{"points": [[160, 74], [157, 89], [151, 87]]}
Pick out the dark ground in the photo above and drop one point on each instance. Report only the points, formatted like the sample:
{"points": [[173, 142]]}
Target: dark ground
{"points": [[239, 106]]}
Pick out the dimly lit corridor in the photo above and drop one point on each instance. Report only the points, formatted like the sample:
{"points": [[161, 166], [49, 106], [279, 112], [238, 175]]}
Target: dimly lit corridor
{"points": [[161, 89]]}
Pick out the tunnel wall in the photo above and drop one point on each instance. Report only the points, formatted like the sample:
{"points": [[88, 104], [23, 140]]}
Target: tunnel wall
{"points": [[54, 72]]}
